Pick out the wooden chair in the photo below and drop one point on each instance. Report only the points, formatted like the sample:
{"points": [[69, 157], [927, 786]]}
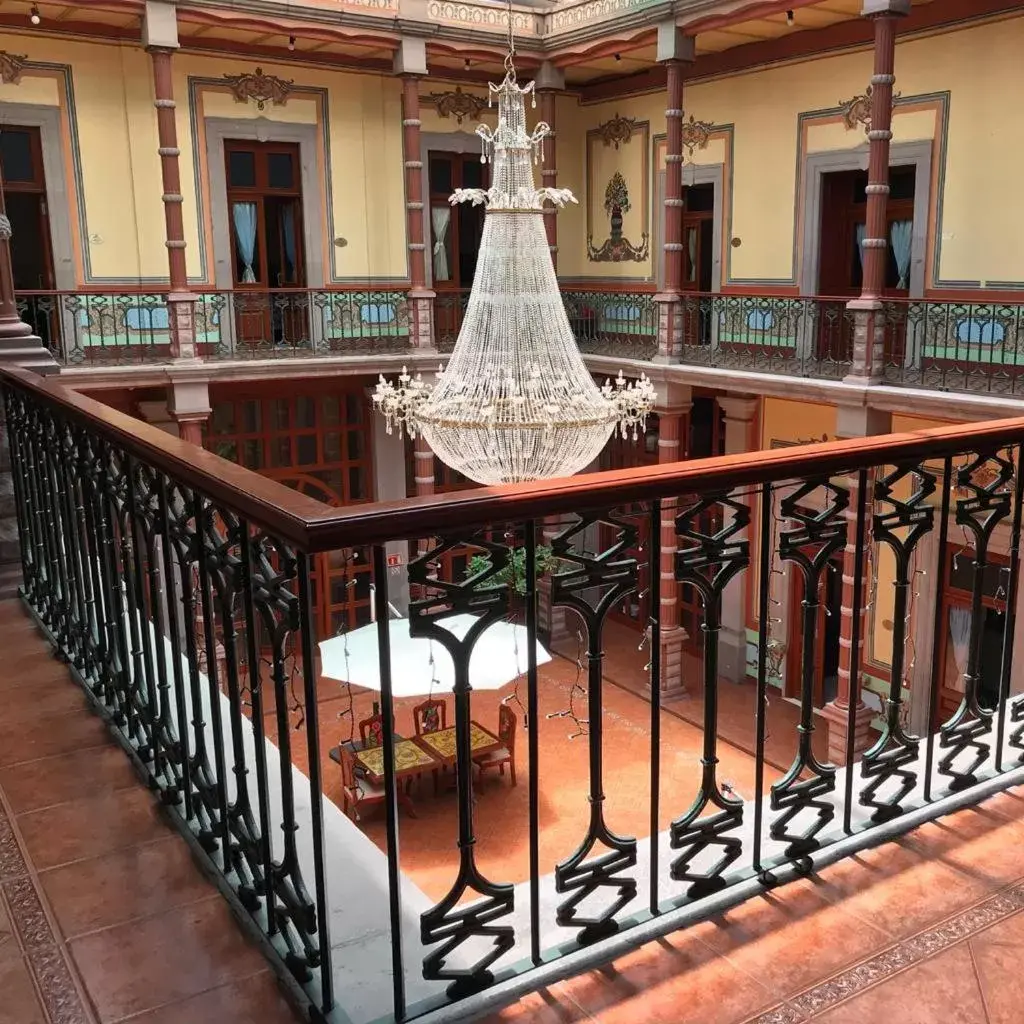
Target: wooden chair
{"points": [[371, 730], [431, 716], [506, 753], [355, 790]]}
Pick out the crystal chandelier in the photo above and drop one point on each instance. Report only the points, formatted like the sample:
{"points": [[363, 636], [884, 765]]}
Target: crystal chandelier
{"points": [[516, 401]]}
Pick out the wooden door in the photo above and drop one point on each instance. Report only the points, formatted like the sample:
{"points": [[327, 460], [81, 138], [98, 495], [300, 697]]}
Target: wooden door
{"points": [[840, 270], [268, 259], [454, 233], [697, 261], [24, 184]]}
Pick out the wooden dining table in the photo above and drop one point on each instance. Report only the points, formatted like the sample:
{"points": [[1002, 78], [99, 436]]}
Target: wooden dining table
{"points": [[441, 744], [410, 759]]}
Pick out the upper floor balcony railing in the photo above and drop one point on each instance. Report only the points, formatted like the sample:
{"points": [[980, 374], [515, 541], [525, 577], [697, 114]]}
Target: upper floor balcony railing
{"points": [[190, 597], [935, 344], [96, 328]]}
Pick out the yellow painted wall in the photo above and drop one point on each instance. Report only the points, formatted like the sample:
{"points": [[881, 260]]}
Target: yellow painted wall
{"points": [[980, 68], [784, 420], [117, 139], [981, 227]]}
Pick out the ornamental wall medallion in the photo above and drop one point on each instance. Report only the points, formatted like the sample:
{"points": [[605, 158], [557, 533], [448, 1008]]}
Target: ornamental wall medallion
{"points": [[617, 248], [11, 67], [857, 111], [695, 134], [618, 131], [457, 104], [260, 87]]}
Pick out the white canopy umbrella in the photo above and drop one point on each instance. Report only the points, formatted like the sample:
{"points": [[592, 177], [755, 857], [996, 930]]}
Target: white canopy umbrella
{"points": [[499, 657]]}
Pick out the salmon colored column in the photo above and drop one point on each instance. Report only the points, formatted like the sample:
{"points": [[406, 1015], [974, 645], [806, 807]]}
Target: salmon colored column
{"points": [[673, 434], [411, 65], [868, 357], [675, 50], [853, 422], [549, 82], [181, 303]]}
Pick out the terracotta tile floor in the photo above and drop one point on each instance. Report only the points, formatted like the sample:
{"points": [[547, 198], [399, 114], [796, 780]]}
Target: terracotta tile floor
{"points": [[103, 915], [928, 929]]}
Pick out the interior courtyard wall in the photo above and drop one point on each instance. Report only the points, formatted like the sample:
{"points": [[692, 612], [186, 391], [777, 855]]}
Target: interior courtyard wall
{"points": [[955, 89]]}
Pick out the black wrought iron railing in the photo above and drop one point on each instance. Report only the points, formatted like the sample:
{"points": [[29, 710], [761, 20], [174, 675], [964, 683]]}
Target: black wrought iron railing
{"points": [[955, 346], [622, 323], [185, 593], [259, 324], [799, 336], [97, 328], [118, 327], [449, 309]]}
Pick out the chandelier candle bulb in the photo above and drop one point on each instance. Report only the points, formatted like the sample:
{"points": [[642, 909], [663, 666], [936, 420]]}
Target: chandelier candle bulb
{"points": [[516, 401]]}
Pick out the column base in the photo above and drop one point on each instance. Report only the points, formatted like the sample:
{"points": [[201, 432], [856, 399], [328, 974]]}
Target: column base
{"points": [[421, 319], [554, 623], [671, 661], [732, 655], [670, 328], [837, 718]]}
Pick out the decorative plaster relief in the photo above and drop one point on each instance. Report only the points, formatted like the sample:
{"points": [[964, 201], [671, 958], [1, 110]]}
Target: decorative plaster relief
{"points": [[11, 67], [857, 111], [695, 134], [457, 104], [481, 17], [618, 131], [596, 10], [260, 87], [617, 248]]}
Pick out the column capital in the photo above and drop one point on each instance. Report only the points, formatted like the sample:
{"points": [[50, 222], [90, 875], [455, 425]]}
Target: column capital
{"points": [[874, 8], [673, 399], [674, 44], [549, 77], [160, 26], [411, 57], [742, 408], [861, 421]]}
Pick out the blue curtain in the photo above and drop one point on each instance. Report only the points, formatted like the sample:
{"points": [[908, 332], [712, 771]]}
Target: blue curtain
{"points": [[244, 216], [900, 238], [288, 230]]}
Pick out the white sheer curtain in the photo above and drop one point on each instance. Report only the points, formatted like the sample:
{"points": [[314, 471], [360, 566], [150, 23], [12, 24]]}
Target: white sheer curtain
{"points": [[440, 218], [862, 230], [900, 237], [691, 251], [244, 216], [960, 634]]}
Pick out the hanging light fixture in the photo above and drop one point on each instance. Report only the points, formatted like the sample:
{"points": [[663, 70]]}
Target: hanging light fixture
{"points": [[516, 401]]}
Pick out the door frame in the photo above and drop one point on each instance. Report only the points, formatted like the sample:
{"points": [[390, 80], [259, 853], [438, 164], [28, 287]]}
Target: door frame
{"points": [[456, 143], [901, 154], [221, 129], [48, 121], [693, 174]]}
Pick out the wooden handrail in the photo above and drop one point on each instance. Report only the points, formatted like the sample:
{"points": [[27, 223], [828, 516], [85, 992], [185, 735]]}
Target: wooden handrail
{"points": [[283, 511], [314, 526]]}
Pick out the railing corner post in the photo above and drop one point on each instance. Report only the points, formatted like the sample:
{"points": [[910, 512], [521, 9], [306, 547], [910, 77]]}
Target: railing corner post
{"points": [[421, 319], [670, 328], [868, 356]]}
